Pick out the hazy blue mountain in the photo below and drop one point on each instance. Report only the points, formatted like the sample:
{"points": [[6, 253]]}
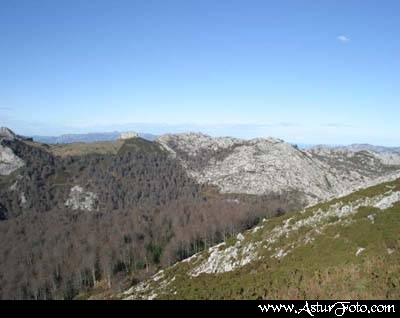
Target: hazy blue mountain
{"points": [[362, 147], [89, 137], [359, 147]]}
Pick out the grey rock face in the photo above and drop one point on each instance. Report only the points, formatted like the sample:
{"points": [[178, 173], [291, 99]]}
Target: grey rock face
{"points": [[81, 200], [261, 166], [128, 135], [9, 162], [6, 133]]}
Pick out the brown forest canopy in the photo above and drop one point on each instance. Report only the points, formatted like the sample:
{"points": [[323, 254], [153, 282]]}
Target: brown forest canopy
{"points": [[149, 214]]}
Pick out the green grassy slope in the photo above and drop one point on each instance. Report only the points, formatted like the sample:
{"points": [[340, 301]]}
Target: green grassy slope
{"points": [[84, 148], [345, 248]]}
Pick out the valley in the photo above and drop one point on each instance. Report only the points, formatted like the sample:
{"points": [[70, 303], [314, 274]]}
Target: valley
{"points": [[88, 220]]}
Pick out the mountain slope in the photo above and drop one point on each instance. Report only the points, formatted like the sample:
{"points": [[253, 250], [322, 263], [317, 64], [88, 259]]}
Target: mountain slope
{"points": [[345, 248], [264, 165], [88, 218]]}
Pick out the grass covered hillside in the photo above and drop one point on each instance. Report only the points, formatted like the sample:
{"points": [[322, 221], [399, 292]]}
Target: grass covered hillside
{"points": [[83, 148], [345, 248]]}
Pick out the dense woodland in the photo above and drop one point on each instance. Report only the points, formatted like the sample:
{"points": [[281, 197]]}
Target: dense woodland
{"points": [[149, 214]]}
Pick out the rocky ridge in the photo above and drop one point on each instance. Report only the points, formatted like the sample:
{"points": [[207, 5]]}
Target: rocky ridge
{"points": [[265, 165]]}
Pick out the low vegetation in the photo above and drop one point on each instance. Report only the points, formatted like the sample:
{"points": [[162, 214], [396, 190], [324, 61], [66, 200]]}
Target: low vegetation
{"points": [[84, 148]]}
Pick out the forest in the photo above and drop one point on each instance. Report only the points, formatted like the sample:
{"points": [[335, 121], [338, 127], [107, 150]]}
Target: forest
{"points": [[149, 215]]}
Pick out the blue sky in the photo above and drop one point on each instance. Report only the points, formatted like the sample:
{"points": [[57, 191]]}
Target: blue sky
{"points": [[305, 71]]}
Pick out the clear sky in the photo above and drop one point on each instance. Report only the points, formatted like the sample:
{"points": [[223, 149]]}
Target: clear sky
{"points": [[305, 71]]}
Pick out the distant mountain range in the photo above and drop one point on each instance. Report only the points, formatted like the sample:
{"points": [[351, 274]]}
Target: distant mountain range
{"points": [[362, 147], [114, 135], [89, 137]]}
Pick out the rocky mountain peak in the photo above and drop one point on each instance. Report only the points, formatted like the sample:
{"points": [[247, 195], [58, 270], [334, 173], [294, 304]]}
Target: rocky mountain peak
{"points": [[9, 162], [128, 135], [7, 133]]}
